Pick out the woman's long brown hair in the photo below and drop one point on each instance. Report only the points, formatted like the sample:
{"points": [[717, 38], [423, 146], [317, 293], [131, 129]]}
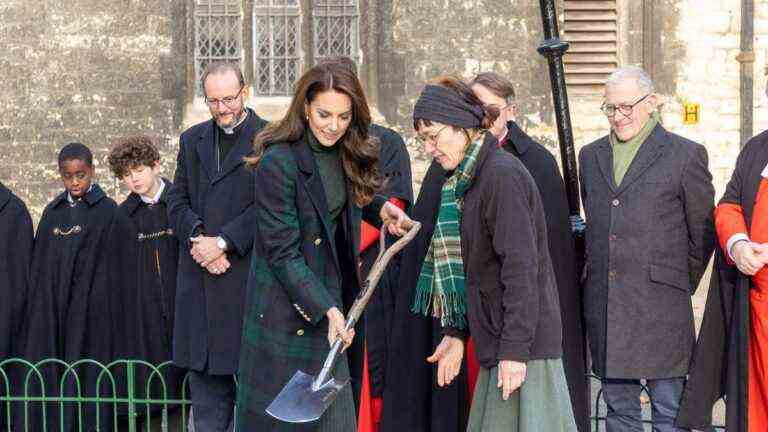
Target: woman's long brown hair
{"points": [[359, 151]]}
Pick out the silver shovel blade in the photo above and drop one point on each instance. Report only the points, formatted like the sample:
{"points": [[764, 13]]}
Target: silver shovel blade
{"points": [[298, 403]]}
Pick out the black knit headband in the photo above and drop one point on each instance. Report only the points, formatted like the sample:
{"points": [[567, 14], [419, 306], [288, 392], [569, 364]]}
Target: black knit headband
{"points": [[441, 104]]}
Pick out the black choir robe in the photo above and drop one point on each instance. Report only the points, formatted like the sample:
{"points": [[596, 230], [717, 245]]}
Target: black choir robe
{"points": [[720, 365], [81, 294], [16, 237], [15, 256], [157, 257], [562, 249], [373, 329]]}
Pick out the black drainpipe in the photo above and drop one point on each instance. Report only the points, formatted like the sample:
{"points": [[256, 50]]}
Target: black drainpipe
{"points": [[747, 59]]}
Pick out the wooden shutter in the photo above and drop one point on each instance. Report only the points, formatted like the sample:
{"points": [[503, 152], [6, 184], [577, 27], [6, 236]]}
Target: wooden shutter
{"points": [[591, 30]]}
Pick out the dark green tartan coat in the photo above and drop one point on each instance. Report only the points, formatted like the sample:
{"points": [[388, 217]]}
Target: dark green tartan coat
{"points": [[295, 278]]}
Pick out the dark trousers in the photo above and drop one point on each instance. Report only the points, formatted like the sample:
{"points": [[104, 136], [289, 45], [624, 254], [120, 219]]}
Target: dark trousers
{"points": [[622, 397], [213, 401]]}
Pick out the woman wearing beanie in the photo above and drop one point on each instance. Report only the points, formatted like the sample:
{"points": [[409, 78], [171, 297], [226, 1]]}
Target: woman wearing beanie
{"points": [[487, 271]]}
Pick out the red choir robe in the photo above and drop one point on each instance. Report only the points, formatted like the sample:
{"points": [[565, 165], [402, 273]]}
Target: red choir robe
{"points": [[732, 348]]}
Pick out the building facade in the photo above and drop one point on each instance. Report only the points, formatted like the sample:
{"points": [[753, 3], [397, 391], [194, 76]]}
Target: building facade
{"points": [[89, 71]]}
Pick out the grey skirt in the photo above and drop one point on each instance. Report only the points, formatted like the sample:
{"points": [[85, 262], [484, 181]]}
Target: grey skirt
{"points": [[542, 403]]}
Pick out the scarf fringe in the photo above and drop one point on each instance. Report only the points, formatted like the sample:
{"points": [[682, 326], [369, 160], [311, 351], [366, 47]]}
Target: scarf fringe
{"points": [[450, 308]]}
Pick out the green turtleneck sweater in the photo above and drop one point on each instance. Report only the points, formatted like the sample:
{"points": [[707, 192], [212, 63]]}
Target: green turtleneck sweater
{"points": [[328, 161], [624, 151]]}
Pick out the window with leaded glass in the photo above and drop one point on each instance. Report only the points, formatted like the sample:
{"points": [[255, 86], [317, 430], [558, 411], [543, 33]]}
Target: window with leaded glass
{"points": [[276, 46], [335, 26], [218, 33]]}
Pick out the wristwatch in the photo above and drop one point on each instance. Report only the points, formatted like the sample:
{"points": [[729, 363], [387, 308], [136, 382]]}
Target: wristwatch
{"points": [[221, 243]]}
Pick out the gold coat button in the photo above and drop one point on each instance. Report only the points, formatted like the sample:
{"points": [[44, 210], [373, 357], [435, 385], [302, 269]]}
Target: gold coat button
{"points": [[318, 241], [300, 332]]}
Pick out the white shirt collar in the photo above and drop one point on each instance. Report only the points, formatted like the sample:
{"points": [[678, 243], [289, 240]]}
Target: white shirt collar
{"points": [[155, 199], [72, 200], [764, 174]]}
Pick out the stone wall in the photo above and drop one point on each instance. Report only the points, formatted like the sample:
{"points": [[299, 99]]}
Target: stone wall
{"points": [[89, 70], [83, 70]]}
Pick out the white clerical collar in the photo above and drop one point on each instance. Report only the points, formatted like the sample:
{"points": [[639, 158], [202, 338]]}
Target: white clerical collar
{"points": [[231, 130], [155, 199], [72, 200]]}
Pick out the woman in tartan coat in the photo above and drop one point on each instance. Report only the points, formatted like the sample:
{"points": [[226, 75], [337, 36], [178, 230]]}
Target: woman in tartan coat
{"points": [[316, 178]]}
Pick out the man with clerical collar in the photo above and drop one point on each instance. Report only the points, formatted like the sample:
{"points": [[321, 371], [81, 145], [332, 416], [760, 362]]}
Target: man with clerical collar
{"points": [[648, 201], [210, 211]]}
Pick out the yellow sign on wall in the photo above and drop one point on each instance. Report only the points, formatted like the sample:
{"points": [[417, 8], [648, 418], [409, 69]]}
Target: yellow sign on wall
{"points": [[691, 113]]}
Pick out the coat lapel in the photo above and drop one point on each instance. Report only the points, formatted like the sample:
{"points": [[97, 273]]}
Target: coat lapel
{"points": [[517, 139], [649, 151], [244, 146], [605, 162], [205, 150], [309, 177]]}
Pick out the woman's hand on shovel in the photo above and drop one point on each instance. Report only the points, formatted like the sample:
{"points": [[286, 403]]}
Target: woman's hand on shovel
{"points": [[336, 328], [394, 218]]}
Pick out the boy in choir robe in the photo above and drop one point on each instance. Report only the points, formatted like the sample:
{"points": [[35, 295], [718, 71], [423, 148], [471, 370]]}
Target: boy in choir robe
{"points": [[15, 255], [80, 297], [136, 162]]}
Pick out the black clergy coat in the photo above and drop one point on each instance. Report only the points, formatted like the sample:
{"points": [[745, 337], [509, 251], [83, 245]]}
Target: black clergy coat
{"points": [[300, 270], [157, 256], [562, 250], [16, 237], [648, 242], [209, 308], [719, 366], [412, 399], [82, 289], [374, 328]]}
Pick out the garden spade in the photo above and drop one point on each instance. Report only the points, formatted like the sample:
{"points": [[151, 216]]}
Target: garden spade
{"points": [[305, 398]]}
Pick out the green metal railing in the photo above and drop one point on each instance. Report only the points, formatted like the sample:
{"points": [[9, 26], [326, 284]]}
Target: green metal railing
{"points": [[127, 392]]}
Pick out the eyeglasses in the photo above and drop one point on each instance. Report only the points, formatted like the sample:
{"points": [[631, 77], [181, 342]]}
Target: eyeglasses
{"points": [[624, 109], [431, 139], [229, 101]]}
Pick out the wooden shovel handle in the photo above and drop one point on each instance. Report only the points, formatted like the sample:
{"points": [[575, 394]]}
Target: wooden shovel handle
{"points": [[385, 255], [377, 270]]}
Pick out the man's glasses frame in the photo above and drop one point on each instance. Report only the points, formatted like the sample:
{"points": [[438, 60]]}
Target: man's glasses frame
{"points": [[625, 109], [228, 101]]}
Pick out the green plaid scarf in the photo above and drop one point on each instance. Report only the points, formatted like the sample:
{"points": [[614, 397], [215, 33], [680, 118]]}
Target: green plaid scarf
{"points": [[441, 281]]}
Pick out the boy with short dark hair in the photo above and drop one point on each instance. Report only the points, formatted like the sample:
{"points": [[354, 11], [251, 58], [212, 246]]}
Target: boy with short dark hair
{"points": [[136, 162], [80, 288]]}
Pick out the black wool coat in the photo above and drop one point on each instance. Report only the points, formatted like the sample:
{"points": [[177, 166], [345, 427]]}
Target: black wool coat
{"points": [[648, 242], [546, 174], [209, 308], [719, 366]]}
